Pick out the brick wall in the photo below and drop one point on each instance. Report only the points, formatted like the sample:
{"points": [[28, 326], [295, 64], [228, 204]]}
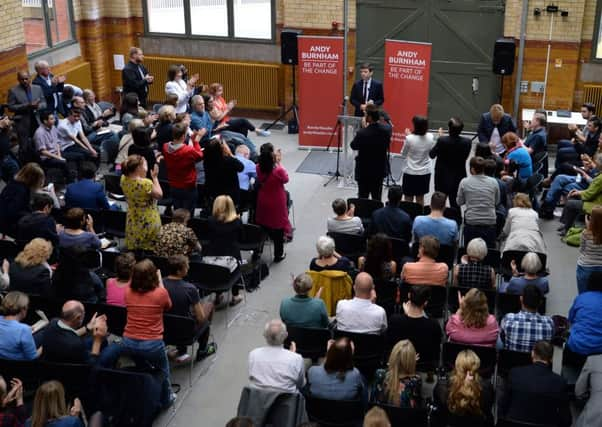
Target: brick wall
{"points": [[316, 14]]}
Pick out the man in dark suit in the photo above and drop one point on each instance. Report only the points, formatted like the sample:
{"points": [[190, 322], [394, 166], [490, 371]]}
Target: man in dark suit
{"points": [[51, 85], [366, 91], [372, 144], [534, 393], [26, 101], [493, 125], [391, 219], [135, 76]]}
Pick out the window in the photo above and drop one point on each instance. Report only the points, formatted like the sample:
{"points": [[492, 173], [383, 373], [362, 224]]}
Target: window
{"points": [[240, 19], [47, 23]]}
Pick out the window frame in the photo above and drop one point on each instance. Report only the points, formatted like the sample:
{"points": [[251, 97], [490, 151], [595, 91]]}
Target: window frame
{"points": [[596, 37], [229, 38], [48, 32]]}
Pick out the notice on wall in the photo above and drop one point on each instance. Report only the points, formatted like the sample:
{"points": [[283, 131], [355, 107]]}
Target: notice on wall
{"points": [[320, 89], [407, 69], [118, 62]]}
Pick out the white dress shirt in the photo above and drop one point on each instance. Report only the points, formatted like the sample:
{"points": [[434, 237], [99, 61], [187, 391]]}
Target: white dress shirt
{"points": [[361, 316], [277, 368], [180, 88]]}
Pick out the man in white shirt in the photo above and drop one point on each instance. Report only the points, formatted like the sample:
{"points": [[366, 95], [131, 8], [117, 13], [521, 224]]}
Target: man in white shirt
{"points": [[74, 144], [360, 314], [273, 366]]}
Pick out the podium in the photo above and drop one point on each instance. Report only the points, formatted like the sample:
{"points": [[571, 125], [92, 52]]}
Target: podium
{"points": [[349, 126]]}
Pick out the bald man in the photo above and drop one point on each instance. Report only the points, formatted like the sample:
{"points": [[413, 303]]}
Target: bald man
{"points": [[65, 339], [26, 101], [360, 314]]}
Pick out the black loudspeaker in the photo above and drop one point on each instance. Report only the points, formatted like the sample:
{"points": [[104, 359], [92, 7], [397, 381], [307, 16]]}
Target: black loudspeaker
{"points": [[288, 46], [503, 56]]}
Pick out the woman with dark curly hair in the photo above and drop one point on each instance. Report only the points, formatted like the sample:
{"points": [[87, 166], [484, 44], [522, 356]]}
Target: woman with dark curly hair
{"points": [[378, 261]]}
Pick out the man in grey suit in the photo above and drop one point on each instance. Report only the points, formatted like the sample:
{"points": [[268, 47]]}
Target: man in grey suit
{"points": [[26, 101]]}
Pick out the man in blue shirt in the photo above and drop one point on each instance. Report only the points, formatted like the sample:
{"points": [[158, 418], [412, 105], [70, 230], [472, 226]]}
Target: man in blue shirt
{"points": [[86, 193], [250, 170], [435, 224], [536, 143], [200, 121]]}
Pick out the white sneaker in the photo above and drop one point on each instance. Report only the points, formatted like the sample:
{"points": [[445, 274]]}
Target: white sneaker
{"points": [[183, 358], [262, 132]]}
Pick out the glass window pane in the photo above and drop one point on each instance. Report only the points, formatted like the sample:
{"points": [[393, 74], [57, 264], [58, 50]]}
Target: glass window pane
{"points": [[209, 17], [60, 21], [598, 47], [166, 16], [253, 19], [34, 25]]}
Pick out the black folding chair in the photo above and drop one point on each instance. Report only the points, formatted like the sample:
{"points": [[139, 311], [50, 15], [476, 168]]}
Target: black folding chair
{"points": [[200, 226], [166, 200], [114, 223], [437, 302], [334, 413], [369, 351], [508, 359], [412, 209], [161, 263], [8, 250], [386, 294], [116, 316], [487, 355], [400, 249], [349, 245], [364, 207], [182, 331], [311, 342], [414, 417], [510, 303], [506, 422], [113, 186]]}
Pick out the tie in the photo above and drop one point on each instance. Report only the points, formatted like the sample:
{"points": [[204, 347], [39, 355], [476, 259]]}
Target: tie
{"points": [[365, 91]]}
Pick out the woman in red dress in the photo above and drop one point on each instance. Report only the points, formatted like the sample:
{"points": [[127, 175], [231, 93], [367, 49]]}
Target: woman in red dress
{"points": [[272, 210]]}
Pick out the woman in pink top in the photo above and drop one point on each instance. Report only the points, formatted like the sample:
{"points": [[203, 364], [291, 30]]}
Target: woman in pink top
{"points": [[472, 323], [426, 271], [116, 286]]}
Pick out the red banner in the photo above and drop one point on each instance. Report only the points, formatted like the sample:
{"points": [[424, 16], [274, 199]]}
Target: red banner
{"points": [[407, 70], [320, 88]]}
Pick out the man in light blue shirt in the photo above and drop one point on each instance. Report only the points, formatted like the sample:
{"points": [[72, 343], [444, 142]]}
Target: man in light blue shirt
{"points": [[249, 172], [435, 224]]}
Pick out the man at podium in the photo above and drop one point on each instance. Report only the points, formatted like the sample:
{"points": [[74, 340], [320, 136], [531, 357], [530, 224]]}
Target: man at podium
{"points": [[372, 143], [366, 91]]}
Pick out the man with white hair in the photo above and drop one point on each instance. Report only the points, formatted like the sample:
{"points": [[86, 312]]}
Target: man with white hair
{"points": [[273, 366], [242, 153], [51, 85], [301, 310], [360, 314]]}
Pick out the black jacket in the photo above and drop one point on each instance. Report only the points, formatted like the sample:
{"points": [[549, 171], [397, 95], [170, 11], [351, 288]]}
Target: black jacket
{"points": [[33, 280], [37, 224], [451, 153], [134, 82], [63, 345], [486, 126], [535, 394], [372, 144], [392, 221], [49, 91], [375, 94], [14, 204]]}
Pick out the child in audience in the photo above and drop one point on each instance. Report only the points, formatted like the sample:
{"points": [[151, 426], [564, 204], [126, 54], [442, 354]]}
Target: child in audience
{"points": [[116, 286]]}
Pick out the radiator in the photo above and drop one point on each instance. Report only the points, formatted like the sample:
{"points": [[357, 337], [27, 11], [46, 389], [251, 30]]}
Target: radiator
{"points": [[253, 85], [593, 94]]}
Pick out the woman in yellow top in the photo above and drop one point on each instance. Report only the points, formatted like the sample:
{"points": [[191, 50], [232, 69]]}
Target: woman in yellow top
{"points": [[143, 219]]}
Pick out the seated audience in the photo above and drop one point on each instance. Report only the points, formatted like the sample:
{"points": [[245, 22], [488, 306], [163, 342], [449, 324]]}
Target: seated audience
{"points": [[585, 318], [93, 110], [86, 193], [46, 139], [534, 393], [344, 220], [391, 219], [39, 223], [273, 366], [16, 340], [176, 238], [517, 158], [301, 310], [200, 121], [15, 197], [105, 140], [378, 261], [50, 408], [74, 278], [376, 417], [30, 272], [74, 144], [582, 200], [413, 324], [337, 378], [328, 258], [590, 251], [465, 399], [74, 221], [471, 272], [186, 302], [521, 231], [481, 195], [426, 271], [12, 408], [531, 266], [472, 324], [588, 387], [361, 315], [520, 331], [181, 160], [117, 286], [64, 339], [125, 142], [435, 224], [399, 385]]}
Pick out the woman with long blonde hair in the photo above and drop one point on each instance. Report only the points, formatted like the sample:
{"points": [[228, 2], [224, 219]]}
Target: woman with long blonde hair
{"points": [[30, 272], [50, 409], [472, 323], [399, 385], [465, 397]]}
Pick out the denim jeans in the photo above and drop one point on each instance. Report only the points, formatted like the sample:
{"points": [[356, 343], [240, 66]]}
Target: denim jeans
{"points": [[583, 274], [184, 199], [562, 184], [239, 138], [571, 211]]}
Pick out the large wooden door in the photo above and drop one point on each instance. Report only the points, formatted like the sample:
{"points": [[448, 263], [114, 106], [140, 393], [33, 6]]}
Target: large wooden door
{"points": [[463, 34]]}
